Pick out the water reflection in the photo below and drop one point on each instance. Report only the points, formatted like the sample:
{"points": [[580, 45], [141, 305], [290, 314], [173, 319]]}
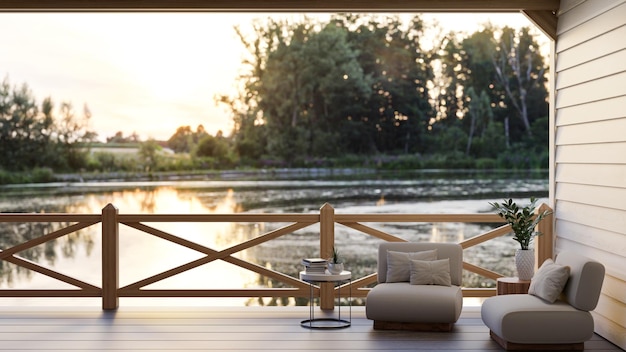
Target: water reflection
{"points": [[49, 254], [142, 255]]}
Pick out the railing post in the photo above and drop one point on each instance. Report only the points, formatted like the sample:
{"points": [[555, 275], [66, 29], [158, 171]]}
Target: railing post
{"points": [[545, 242], [327, 242], [110, 257]]}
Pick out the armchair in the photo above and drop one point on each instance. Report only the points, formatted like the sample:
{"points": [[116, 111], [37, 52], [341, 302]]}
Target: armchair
{"points": [[532, 322], [401, 300]]}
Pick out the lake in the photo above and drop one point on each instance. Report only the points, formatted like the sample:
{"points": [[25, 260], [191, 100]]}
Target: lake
{"points": [[288, 191]]}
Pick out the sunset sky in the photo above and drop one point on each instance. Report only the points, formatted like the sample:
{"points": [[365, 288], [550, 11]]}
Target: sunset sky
{"points": [[146, 73]]}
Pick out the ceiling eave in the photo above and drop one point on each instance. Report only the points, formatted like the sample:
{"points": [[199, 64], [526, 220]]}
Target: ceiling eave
{"points": [[283, 5], [541, 12], [546, 21]]}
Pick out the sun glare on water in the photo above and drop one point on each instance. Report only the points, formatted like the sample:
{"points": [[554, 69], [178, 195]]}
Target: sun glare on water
{"points": [[143, 255]]}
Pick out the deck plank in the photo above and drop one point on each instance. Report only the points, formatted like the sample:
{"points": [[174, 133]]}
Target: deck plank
{"points": [[159, 328]]}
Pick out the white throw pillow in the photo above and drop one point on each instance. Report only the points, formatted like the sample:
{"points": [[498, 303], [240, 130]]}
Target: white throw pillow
{"points": [[433, 272], [398, 263], [549, 281]]}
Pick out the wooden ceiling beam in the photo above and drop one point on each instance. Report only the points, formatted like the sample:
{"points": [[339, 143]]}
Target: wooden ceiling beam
{"points": [[533, 6]]}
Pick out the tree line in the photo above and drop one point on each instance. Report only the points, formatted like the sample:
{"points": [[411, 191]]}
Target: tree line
{"points": [[356, 90], [36, 135], [363, 86]]}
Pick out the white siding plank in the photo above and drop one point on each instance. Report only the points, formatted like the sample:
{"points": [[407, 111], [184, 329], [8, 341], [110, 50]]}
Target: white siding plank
{"points": [[596, 26], [567, 5], [564, 244], [611, 242], [602, 67], [608, 175], [613, 264], [610, 220], [608, 131], [610, 197], [590, 50], [599, 89], [594, 111], [582, 12], [614, 153], [612, 310], [614, 288], [609, 330]]}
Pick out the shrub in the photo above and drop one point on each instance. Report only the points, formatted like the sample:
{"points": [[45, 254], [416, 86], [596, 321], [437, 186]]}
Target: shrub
{"points": [[351, 160], [402, 162], [486, 163], [42, 175], [7, 177], [37, 175]]}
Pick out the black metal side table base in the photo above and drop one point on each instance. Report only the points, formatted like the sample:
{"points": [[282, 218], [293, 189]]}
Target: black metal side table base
{"points": [[325, 323]]}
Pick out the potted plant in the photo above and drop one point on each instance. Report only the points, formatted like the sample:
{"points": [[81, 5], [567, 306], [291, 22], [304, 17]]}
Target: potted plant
{"points": [[335, 263], [523, 221]]}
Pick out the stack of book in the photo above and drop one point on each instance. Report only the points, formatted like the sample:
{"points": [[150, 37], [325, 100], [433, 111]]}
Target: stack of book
{"points": [[314, 265]]}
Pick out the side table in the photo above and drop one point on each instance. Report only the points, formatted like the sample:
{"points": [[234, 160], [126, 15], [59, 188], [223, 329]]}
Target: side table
{"points": [[511, 285], [326, 323]]}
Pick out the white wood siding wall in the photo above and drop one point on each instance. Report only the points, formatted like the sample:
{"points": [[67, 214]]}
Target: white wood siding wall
{"points": [[590, 147]]}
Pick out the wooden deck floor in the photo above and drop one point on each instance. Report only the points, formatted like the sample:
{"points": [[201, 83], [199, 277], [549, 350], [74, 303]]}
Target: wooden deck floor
{"points": [[75, 328]]}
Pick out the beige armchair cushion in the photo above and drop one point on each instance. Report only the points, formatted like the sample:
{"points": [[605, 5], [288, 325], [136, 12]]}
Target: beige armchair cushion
{"points": [[527, 319], [403, 302], [585, 281], [430, 272], [444, 250], [549, 281], [398, 263]]}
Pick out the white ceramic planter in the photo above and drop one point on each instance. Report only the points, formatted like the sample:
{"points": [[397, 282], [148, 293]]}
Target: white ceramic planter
{"points": [[525, 263], [335, 268]]}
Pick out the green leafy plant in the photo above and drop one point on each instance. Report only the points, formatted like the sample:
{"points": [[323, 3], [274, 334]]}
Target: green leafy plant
{"points": [[335, 259], [523, 220]]}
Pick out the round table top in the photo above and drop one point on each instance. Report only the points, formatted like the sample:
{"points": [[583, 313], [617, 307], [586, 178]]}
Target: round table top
{"points": [[512, 280], [344, 275]]}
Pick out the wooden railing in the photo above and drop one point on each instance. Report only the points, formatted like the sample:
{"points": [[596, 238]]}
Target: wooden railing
{"points": [[110, 292]]}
